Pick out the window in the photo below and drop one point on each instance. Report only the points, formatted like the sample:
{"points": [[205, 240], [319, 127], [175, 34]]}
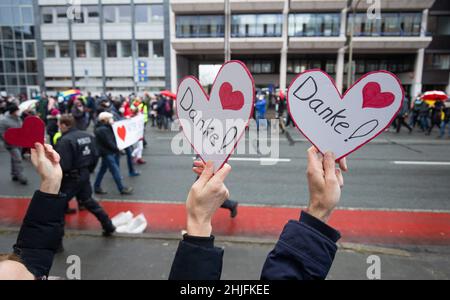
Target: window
{"points": [[109, 14], [95, 50], [30, 49], [27, 15], [64, 49], [158, 49], [263, 25], [124, 13], [47, 15], [443, 25], [6, 17], [390, 24], [8, 48], [143, 49], [314, 24], [61, 14], [7, 33], [437, 61], [126, 49], [141, 12], [80, 49], [93, 15], [49, 50], [157, 13], [28, 32], [111, 49], [200, 26], [31, 66], [10, 66]]}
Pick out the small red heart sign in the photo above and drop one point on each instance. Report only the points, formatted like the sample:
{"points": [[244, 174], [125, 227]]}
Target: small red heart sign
{"points": [[229, 99], [31, 132], [374, 98], [343, 123], [214, 124], [122, 132]]}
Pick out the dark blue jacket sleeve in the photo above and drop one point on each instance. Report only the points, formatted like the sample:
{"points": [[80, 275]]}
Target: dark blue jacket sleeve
{"points": [[41, 233], [197, 259], [305, 251]]}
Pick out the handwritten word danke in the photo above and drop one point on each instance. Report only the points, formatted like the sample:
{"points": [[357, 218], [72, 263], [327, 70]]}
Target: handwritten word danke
{"points": [[326, 113], [212, 130]]}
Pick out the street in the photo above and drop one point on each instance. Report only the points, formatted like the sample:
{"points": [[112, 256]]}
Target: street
{"points": [[392, 172]]}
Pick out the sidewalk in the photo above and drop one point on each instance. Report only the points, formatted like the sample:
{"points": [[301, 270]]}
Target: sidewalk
{"points": [[150, 257]]}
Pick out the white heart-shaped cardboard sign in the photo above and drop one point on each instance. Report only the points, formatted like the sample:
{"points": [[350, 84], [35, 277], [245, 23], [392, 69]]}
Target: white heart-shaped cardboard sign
{"points": [[343, 124], [214, 124]]}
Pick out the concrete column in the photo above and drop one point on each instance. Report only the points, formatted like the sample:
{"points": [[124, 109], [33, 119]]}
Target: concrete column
{"points": [[39, 45], [102, 46], [72, 53], [284, 49], [227, 13], [343, 27], [340, 69], [423, 31], [133, 46], [416, 87], [447, 90], [173, 54], [167, 47]]}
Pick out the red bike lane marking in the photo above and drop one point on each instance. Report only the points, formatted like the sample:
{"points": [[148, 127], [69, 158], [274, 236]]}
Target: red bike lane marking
{"points": [[359, 226]]}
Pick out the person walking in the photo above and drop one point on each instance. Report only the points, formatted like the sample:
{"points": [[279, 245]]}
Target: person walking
{"points": [[107, 146], [79, 157], [12, 120]]}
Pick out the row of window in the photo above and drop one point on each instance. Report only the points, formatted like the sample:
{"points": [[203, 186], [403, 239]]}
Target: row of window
{"points": [[18, 66], [144, 13], [17, 33], [300, 24], [113, 49], [23, 49], [14, 79]]}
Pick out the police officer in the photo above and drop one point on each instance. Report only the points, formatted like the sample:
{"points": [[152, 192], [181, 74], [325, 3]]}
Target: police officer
{"points": [[79, 158]]}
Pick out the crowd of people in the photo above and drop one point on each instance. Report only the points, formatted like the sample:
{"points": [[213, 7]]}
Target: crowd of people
{"points": [[419, 114]]}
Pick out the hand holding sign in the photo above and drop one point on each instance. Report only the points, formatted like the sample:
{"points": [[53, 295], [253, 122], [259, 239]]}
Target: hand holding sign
{"points": [[213, 125], [342, 124], [31, 132]]}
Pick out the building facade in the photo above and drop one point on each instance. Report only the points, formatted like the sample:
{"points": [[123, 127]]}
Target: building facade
{"points": [[111, 46], [278, 39], [19, 71]]}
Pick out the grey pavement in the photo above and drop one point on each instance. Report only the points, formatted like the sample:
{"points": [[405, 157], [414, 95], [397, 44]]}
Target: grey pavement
{"points": [[147, 257], [374, 181]]}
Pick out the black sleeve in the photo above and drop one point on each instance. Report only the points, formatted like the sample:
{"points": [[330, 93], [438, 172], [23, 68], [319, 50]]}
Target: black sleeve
{"points": [[197, 259], [107, 139], [305, 251], [64, 148], [41, 232]]}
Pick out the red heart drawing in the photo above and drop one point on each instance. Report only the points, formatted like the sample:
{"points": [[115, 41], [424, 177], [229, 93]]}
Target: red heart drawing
{"points": [[374, 98], [229, 99], [122, 132], [213, 124], [31, 132]]}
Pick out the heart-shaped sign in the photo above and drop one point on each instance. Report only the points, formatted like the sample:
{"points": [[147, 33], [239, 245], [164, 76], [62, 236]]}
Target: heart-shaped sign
{"points": [[31, 132], [214, 124], [122, 132], [343, 124]]}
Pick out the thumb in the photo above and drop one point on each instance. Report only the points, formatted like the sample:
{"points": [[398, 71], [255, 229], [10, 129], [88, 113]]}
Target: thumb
{"points": [[208, 172], [40, 151]]}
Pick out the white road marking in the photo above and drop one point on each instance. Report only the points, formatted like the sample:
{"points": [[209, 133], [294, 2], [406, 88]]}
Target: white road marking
{"points": [[422, 163], [257, 159]]}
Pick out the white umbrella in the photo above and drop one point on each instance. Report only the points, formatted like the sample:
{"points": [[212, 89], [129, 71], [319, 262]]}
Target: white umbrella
{"points": [[27, 105]]}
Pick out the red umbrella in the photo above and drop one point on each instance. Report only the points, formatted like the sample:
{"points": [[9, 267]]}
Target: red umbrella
{"points": [[168, 94], [435, 95]]}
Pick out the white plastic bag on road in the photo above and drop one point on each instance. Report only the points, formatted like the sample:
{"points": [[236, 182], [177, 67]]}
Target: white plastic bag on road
{"points": [[127, 224]]}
